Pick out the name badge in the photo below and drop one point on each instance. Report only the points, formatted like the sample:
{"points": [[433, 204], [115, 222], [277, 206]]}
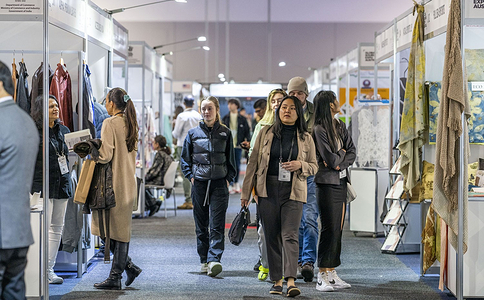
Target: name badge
{"points": [[342, 174], [284, 175], [63, 164]]}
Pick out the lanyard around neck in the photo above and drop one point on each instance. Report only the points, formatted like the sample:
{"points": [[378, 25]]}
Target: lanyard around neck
{"points": [[290, 151]]}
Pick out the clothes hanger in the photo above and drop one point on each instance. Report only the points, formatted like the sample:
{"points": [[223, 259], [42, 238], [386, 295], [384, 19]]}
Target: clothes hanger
{"points": [[22, 56], [61, 60]]}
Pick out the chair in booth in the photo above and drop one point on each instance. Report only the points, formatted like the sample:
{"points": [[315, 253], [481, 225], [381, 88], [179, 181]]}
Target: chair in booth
{"points": [[169, 181]]}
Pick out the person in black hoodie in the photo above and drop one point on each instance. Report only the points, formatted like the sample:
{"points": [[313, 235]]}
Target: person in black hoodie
{"points": [[208, 161], [59, 185]]}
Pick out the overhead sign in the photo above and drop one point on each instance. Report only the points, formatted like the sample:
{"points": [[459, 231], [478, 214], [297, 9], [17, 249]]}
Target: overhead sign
{"points": [[436, 17], [99, 25], [367, 56], [384, 44], [474, 9], [352, 59], [405, 31], [333, 70], [69, 12], [21, 7], [120, 39], [242, 90], [342, 65]]}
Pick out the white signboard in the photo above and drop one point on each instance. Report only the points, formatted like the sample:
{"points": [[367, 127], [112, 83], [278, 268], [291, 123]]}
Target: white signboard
{"points": [[242, 90], [69, 12], [342, 65], [166, 68], [333, 70], [405, 31], [367, 56], [120, 38], [99, 26], [353, 59], [474, 9], [384, 44], [477, 86], [21, 7], [436, 15]]}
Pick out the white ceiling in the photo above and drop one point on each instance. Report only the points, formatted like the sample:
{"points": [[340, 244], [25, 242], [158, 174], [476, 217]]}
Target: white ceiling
{"points": [[300, 11]]}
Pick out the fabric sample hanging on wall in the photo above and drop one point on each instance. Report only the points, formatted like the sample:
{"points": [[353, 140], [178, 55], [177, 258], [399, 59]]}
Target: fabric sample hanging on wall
{"points": [[14, 80], [87, 103], [23, 99], [60, 87], [449, 130], [414, 124], [38, 82]]}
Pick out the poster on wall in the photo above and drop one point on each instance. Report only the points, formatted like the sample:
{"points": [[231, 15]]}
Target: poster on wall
{"points": [[21, 7]]}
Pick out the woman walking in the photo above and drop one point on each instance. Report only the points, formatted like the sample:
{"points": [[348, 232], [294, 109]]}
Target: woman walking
{"points": [[208, 161], [336, 152], [281, 160], [59, 185], [119, 136]]}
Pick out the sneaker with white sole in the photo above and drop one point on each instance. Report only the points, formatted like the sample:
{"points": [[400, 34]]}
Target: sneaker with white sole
{"points": [[337, 282], [323, 284], [214, 268], [203, 268], [54, 279]]}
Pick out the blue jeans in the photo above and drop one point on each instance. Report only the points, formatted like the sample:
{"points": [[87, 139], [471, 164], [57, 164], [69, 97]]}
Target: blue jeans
{"points": [[308, 230]]}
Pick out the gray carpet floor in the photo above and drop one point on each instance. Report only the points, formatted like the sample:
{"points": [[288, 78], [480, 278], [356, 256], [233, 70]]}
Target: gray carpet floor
{"points": [[166, 251]]}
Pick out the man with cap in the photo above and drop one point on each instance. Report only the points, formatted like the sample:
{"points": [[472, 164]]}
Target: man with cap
{"points": [[185, 121], [308, 229], [240, 129], [19, 143]]}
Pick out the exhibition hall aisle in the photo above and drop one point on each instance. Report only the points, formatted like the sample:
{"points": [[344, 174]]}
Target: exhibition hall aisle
{"points": [[166, 251]]}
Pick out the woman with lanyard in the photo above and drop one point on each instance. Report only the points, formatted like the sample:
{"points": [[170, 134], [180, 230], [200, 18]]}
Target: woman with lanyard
{"points": [[336, 152], [59, 185], [282, 158]]}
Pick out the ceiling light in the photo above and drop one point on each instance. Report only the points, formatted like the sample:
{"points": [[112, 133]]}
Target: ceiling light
{"points": [[202, 38], [221, 75], [282, 64], [222, 79], [206, 48]]}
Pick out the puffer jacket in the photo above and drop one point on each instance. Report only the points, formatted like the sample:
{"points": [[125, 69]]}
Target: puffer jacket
{"points": [[208, 153], [157, 172], [59, 185]]}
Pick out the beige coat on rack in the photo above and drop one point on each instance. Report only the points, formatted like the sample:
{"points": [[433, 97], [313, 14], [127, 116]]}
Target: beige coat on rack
{"points": [[114, 149]]}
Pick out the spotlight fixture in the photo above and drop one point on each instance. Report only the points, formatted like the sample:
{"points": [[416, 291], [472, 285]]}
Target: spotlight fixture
{"points": [[282, 64], [200, 39]]}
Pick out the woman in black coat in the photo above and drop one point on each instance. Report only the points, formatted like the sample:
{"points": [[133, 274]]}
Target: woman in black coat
{"points": [[208, 161], [59, 182], [335, 153]]}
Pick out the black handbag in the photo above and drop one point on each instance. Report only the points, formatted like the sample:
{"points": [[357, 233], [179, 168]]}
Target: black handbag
{"points": [[239, 226]]}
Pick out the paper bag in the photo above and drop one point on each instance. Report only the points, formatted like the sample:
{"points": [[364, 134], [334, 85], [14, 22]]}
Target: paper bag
{"points": [[84, 182]]}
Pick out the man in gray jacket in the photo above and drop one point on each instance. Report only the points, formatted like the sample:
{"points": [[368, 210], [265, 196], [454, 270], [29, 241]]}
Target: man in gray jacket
{"points": [[19, 142]]}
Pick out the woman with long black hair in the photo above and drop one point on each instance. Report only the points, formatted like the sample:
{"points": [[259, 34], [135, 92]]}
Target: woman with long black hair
{"points": [[282, 158], [335, 152]]}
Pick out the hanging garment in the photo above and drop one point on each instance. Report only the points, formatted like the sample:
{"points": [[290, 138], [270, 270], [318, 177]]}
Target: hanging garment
{"points": [[73, 220], [449, 130], [414, 125], [38, 83], [14, 80], [23, 99], [87, 103], [60, 87]]}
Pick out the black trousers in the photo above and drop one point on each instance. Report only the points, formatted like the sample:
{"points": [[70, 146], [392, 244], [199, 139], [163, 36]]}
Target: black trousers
{"points": [[12, 270], [210, 218], [331, 200], [280, 218]]}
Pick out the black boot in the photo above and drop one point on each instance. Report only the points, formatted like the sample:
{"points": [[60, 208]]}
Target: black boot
{"points": [[120, 257], [132, 271]]}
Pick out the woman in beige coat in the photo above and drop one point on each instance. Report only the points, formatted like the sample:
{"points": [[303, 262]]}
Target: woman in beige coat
{"points": [[283, 157], [119, 144]]}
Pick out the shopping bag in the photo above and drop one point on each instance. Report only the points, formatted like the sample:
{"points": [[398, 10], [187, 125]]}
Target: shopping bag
{"points": [[350, 193], [84, 182], [239, 226]]}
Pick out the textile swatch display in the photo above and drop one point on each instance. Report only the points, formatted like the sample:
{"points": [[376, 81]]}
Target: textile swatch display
{"points": [[38, 83], [449, 130], [414, 124], [23, 99], [60, 87], [476, 122]]}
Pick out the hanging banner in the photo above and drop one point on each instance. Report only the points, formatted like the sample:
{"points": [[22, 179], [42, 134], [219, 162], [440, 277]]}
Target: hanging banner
{"points": [[69, 12], [405, 30], [367, 56], [474, 9], [21, 7], [99, 25], [384, 44], [436, 16], [353, 59]]}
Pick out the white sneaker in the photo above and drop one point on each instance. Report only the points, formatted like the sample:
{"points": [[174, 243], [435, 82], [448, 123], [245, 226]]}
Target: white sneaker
{"points": [[54, 279], [337, 282], [323, 284], [203, 268], [214, 268]]}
